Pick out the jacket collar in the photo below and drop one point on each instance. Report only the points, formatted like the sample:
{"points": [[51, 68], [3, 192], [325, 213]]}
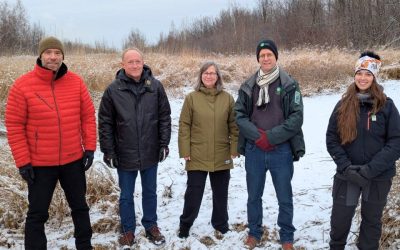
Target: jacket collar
{"points": [[287, 82], [146, 78], [211, 92], [47, 74]]}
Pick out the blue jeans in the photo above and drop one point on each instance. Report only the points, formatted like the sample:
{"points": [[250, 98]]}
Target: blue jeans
{"points": [[280, 163], [149, 198]]}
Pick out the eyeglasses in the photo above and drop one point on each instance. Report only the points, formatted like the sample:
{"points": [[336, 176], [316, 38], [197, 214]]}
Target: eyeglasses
{"points": [[209, 74]]}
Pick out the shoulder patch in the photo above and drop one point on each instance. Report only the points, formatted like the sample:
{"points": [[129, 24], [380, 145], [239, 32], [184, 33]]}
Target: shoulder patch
{"points": [[297, 97]]}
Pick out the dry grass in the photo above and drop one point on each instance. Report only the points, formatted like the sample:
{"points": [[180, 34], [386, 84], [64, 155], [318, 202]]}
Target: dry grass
{"points": [[102, 196], [391, 214], [316, 69]]}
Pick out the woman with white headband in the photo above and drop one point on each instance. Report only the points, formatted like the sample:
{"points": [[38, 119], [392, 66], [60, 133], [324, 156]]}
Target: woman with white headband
{"points": [[363, 139]]}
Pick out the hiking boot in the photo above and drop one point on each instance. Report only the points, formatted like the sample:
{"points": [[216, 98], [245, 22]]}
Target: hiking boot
{"points": [[287, 246], [183, 232], [155, 236], [251, 242], [126, 239]]}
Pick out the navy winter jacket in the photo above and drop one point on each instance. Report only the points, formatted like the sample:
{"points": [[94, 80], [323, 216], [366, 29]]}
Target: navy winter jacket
{"points": [[377, 143]]}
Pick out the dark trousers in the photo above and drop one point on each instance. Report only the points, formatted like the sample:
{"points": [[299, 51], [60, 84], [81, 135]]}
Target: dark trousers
{"points": [[372, 204], [73, 182], [194, 194]]}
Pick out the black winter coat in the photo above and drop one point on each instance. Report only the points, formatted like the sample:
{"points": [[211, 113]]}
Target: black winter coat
{"points": [[134, 120], [377, 143]]}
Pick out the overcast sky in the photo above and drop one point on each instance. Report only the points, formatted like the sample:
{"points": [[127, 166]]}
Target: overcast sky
{"points": [[111, 21]]}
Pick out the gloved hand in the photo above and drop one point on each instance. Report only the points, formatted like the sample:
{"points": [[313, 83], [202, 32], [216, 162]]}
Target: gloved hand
{"points": [[263, 142], [27, 173], [164, 151], [111, 162], [353, 175], [351, 167], [87, 159], [364, 171]]}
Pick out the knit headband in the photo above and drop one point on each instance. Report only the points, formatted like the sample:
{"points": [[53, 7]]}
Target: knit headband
{"points": [[368, 63]]}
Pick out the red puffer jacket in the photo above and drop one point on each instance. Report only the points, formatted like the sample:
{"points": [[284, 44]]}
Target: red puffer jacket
{"points": [[49, 122]]}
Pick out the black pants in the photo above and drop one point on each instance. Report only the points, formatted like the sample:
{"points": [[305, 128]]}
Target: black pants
{"points": [[73, 182], [372, 205], [194, 194]]}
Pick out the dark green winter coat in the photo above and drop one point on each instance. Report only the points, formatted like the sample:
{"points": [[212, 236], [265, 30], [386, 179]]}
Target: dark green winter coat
{"points": [[292, 107], [207, 130]]}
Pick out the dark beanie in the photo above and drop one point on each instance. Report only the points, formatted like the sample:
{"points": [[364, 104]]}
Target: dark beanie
{"points": [[267, 44], [50, 43]]}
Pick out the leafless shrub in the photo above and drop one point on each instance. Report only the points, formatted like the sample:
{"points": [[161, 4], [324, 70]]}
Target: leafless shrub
{"points": [[391, 215], [101, 185], [16, 34], [13, 198], [207, 241], [105, 225], [167, 193], [357, 24], [239, 227]]}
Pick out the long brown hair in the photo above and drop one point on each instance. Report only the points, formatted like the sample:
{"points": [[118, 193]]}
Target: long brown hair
{"points": [[349, 110]]}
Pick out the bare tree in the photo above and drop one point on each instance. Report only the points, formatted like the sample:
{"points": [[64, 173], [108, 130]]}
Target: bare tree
{"points": [[16, 34], [135, 39]]}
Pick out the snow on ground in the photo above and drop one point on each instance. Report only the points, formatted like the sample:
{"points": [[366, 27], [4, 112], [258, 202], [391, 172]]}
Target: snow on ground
{"points": [[312, 183]]}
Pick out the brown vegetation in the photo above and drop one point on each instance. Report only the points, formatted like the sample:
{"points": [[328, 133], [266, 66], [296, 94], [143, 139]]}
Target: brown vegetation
{"points": [[391, 214], [317, 70], [291, 23]]}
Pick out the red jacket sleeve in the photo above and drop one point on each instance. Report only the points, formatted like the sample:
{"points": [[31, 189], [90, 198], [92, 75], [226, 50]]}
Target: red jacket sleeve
{"points": [[15, 120], [88, 120]]}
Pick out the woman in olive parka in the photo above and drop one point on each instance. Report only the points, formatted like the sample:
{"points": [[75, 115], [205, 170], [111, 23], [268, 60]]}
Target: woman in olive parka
{"points": [[208, 142]]}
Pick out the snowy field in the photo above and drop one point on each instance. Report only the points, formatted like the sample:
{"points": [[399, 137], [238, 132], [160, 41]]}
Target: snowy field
{"points": [[312, 183]]}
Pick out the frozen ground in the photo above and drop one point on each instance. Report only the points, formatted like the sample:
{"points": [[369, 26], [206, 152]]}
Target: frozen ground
{"points": [[311, 186]]}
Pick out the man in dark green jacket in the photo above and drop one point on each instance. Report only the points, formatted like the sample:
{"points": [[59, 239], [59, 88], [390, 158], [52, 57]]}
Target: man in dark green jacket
{"points": [[269, 114]]}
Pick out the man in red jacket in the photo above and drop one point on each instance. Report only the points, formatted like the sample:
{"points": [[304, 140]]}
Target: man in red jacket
{"points": [[51, 130]]}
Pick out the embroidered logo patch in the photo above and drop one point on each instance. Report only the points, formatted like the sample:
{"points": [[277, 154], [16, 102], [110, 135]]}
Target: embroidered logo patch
{"points": [[297, 97]]}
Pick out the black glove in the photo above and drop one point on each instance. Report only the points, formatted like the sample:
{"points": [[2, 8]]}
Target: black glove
{"points": [[164, 151], [27, 173], [351, 167], [111, 162], [87, 159], [352, 174], [364, 171]]}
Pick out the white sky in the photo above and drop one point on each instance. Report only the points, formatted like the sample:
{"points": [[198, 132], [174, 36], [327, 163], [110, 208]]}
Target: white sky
{"points": [[111, 21]]}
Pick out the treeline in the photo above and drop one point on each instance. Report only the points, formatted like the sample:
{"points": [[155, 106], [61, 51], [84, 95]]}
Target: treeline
{"points": [[18, 36], [356, 24], [292, 23]]}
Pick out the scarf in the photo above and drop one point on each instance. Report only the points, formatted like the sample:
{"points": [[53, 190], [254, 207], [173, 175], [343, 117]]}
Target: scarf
{"points": [[264, 80]]}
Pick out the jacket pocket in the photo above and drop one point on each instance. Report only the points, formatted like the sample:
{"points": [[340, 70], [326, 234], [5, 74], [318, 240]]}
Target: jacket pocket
{"points": [[339, 189], [377, 124], [36, 139], [379, 190], [43, 100]]}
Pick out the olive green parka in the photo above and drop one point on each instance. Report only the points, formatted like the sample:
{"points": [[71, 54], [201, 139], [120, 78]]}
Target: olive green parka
{"points": [[207, 130]]}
